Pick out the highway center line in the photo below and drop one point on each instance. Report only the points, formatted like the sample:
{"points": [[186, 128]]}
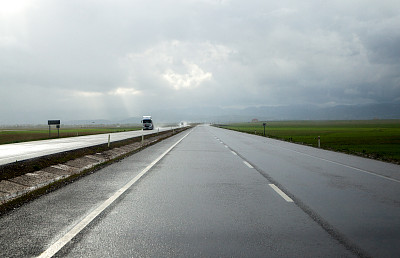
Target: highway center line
{"points": [[54, 248], [234, 153], [282, 194], [247, 164]]}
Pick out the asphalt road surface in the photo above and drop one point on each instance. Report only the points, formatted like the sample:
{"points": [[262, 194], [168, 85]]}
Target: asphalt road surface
{"points": [[211, 192], [26, 150]]}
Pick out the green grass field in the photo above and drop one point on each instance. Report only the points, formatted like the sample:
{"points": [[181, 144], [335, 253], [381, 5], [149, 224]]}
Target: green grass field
{"points": [[22, 135], [378, 139]]}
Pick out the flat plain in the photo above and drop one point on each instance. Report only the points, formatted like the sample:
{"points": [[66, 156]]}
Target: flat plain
{"points": [[377, 139]]}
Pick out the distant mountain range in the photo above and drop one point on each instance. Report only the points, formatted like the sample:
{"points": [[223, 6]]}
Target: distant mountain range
{"points": [[310, 112], [264, 113]]}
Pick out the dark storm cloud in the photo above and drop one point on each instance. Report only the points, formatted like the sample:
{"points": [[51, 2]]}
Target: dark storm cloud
{"points": [[102, 59]]}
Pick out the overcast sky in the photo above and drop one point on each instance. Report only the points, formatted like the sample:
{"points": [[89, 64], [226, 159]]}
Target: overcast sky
{"points": [[93, 59]]}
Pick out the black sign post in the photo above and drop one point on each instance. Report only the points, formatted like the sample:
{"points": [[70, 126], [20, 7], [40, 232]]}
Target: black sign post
{"points": [[56, 123], [58, 131], [264, 124]]}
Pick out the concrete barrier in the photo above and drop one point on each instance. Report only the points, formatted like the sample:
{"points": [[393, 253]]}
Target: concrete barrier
{"points": [[19, 186]]}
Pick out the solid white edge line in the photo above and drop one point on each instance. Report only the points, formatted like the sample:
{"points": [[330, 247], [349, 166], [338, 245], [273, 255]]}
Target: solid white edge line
{"points": [[344, 165], [247, 164], [282, 194], [54, 248]]}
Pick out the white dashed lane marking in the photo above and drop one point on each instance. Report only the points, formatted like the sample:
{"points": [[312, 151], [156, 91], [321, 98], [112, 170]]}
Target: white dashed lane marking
{"points": [[282, 194], [247, 164], [274, 187]]}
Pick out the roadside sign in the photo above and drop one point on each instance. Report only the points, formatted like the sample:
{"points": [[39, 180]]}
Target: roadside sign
{"points": [[54, 122]]}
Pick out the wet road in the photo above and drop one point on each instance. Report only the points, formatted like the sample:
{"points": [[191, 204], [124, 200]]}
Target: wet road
{"points": [[26, 150], [216, 193]]}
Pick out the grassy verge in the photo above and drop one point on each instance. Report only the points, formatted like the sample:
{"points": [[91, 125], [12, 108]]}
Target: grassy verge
{"points": [[378, 139]]}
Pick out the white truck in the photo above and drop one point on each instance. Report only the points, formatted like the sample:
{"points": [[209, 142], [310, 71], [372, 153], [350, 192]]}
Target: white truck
{"points": [[147, 123]]}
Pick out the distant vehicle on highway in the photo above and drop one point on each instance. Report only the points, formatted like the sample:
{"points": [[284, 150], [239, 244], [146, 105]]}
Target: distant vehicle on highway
{"points": [[147, 123]]}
